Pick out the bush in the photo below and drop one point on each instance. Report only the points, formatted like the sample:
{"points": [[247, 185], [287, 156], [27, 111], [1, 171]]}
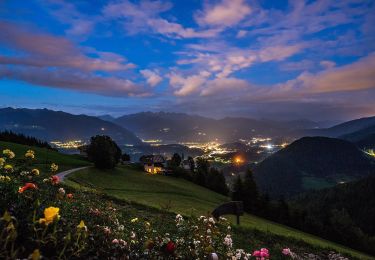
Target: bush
{"points": [[103, 152]]}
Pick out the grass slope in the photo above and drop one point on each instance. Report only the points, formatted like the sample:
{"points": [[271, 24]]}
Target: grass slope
{"points": [[44, 157], [180, 196]]}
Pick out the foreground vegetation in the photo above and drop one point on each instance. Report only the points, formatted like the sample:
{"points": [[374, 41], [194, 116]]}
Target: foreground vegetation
{"points": [[44, 157], [42, 218], [180, 196]]}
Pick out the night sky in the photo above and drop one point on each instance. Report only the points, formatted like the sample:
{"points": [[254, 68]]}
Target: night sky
{"points": [[263, 59]]}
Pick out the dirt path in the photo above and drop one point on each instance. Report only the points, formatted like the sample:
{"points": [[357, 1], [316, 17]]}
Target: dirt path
{"points": [[63, 174]]}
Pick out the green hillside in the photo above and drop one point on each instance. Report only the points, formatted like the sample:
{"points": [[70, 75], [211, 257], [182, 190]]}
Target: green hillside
{"points": [[180, 196], [44, 157]]}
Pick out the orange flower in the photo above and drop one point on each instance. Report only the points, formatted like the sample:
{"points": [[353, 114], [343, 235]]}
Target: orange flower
{"points": [[27, 186]]}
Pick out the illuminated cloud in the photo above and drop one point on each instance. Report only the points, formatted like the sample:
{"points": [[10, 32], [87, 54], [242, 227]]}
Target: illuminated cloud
{"points": [[223, 14], [107, 86], [44, 50], [151, 77], [146, 17]]}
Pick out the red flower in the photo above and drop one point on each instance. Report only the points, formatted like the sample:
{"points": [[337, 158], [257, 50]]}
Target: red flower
{"points": [[69, 196], [170, 247], [27, 186], [55, 179]]}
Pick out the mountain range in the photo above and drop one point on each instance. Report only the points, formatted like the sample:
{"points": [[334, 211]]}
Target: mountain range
{"points": [[312, 163], [175, 127], [341, 129], [180, 127], [57, 125]]}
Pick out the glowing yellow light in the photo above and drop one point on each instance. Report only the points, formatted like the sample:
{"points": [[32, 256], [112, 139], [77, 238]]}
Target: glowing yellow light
{"points": [[238, 160]]}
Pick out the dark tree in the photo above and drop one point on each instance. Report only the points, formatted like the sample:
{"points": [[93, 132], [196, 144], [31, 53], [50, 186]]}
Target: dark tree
{"points": [[103, 152], [125, 157], [175, 161], [203, 165], [216, 181], [9, 136], [250, 195], [191, 163], [237, 190]]}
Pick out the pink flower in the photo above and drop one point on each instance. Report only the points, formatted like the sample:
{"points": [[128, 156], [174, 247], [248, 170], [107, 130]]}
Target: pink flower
{"points": [[261, 254], [55, 179], [115, 241], [264, 252], [286, 251]]}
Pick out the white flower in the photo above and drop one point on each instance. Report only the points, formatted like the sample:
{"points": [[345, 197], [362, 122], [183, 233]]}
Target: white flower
{"points": [[211, 220], [121, 227], [61, 191], [228, 241]]}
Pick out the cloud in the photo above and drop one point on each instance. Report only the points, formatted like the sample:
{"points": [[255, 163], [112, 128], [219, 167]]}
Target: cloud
{"points": [[222, 61], [278, 52], [151, 77], [145, 17], [327, 64], [241, 34], [356, 76], [44, 50], [187, 85], [73, 80], [47, 60], [224, 14], [225, 86], [302, 65], [80, 24]]}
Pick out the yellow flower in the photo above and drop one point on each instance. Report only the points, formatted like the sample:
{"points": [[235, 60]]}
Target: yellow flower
{"points": [[82, 226], [8, 168], [4, 178], [35, 172], [35, 255], [29, 155], [30, 151], [9, 153], [134, 220], [54, 167], [50, 214], [2, 161]]}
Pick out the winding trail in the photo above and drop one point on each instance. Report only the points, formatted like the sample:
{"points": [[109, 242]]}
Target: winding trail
{"points": [[63, 174]]}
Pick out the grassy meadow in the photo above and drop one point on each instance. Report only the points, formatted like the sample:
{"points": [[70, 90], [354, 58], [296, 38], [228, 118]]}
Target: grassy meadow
{"points": [[44, 157], [181, 196]]}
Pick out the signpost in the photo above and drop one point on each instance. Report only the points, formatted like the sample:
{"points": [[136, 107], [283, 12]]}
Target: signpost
{"points": [[229, 208]]}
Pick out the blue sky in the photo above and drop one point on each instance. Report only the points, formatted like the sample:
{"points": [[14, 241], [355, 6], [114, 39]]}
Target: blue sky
{"points": [[262, 59]]}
